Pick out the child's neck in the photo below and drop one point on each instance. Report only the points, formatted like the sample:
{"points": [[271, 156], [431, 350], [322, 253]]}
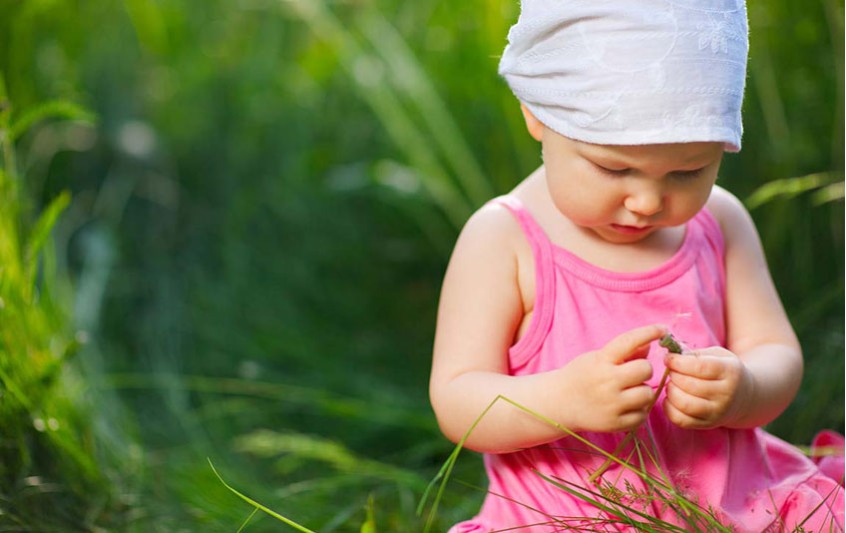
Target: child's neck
{"points": [[647, 254]]}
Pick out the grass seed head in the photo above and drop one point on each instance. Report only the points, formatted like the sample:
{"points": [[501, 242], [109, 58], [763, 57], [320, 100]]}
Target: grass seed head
{"points": [[670, 343]]}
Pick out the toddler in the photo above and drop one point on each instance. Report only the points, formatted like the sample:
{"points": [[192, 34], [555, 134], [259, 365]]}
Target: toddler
{"points": [[556, 293]]}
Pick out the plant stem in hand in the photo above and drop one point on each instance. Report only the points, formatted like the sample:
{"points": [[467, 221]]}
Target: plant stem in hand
{"points": [[671, 344]]}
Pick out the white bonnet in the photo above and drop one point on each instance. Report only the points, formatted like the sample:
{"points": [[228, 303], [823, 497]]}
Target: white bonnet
{"points": [[631, 71]]}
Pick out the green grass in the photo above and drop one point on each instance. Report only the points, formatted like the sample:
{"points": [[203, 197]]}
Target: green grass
{"points": [[48, 454]]}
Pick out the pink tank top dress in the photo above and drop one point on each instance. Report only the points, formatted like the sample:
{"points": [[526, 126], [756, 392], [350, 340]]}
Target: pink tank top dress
{"points": [[750, 479]]}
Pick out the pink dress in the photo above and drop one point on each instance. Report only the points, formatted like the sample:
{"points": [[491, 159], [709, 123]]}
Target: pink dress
{"points": [[748, 479]]}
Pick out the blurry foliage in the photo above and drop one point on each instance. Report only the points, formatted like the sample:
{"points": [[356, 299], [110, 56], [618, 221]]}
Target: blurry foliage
{"points": [[261, 217], [49, 453]]}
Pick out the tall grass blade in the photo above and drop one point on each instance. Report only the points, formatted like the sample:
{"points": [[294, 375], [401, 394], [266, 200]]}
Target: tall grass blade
{"points": [[764, 80], [307, 396], [791, 187], [369, 525], [410, 78], [259, 506], [247, 521], [269, 444], [365, 70], [446, 470], [7, 145], [52, 109], [660, 490], [41, 230], [830, 193]]}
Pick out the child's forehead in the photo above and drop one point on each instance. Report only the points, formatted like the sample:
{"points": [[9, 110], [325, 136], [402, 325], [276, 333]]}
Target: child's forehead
{"points": [[688, 151], [679, 154]]}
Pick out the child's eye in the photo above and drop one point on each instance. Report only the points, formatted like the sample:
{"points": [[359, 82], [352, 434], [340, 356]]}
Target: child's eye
{"points": [[612, 171], [688, 174]]}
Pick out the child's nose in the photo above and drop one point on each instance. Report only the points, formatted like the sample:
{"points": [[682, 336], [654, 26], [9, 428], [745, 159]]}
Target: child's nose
{"points": [[645, 203]]}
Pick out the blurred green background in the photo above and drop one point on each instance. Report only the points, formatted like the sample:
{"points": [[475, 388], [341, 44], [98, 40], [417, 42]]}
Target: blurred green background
{"points": [[263, 198]]}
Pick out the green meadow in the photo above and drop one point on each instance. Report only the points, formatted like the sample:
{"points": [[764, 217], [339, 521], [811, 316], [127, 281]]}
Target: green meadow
{"points": [[223, 226]]}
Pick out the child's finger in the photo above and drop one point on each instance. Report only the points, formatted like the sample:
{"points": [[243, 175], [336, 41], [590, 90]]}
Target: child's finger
{"points": [[629, 345], [636, 398], [701, 367], [682, 419], [634, 372], [700, 388], [693, 408]]}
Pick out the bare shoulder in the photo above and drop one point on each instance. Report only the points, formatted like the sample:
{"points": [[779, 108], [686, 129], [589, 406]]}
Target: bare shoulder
{"points": [[483, 276], [736, 223], [491, 234], [481, 302], [725, 206]]}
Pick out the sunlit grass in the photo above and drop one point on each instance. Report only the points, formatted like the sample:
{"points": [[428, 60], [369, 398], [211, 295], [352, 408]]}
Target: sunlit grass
{"points": [[48, 455]]}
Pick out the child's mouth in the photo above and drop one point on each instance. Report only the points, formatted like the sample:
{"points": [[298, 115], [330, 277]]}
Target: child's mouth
{"points": [[631, 230]]}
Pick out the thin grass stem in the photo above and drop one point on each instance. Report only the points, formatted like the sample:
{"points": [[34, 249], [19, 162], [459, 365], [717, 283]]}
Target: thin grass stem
{"points": [[257, 505], [631, 435], [446, 470], [7, 146], [613, 510], [247, 521], [387, 107], [817, 508], [410, 77]]}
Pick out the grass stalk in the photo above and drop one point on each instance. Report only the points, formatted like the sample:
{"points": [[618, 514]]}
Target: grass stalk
{"points": [[259, 506], [631, 434], [7, 147], [247, 520], [694, 517], [306, 396], [613, 507], [386, 105], [410, 79]]}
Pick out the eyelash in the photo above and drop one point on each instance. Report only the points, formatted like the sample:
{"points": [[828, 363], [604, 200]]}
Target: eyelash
{"points": [[688, 174], [612, 172], [680, 174]]}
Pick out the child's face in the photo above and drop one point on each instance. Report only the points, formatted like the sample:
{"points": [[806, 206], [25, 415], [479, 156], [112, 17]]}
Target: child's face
{"points": [[625, 193]]}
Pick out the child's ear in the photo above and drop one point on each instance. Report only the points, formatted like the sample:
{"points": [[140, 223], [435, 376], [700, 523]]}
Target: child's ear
{"points": [[534, 125]]}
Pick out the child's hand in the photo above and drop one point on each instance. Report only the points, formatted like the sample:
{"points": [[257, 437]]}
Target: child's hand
{"points": [[706, 388], [606, 389]]}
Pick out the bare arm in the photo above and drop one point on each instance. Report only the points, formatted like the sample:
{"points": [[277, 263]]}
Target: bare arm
{"points": [[480, 310], [751, 382]]}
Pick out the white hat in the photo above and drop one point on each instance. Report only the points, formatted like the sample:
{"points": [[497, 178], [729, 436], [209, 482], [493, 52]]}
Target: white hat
{"points": [[631, 71]]}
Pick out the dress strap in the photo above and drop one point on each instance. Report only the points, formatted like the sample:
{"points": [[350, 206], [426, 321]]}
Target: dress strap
{"points": [[711, 228], [542, 254], [534, 233]]}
